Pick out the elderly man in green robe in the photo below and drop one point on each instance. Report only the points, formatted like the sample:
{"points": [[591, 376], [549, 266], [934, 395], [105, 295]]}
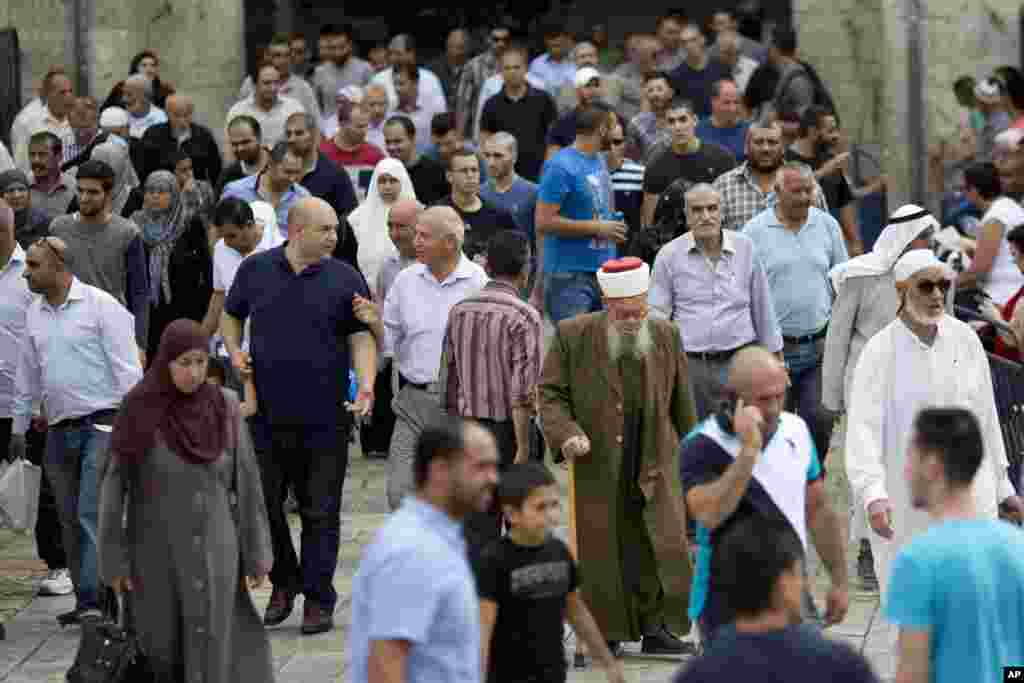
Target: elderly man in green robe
{"points": [[614, 400]]}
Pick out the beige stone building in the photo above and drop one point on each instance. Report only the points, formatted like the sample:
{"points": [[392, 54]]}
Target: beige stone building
{"points": [[860, 47]]}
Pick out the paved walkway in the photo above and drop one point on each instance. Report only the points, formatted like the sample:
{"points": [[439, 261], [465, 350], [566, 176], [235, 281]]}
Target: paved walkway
{"points": [[36, 650]]}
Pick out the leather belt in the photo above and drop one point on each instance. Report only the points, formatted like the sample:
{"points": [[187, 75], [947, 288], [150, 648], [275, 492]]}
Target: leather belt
{"points": [[402, 381], [84, 420], [807, 338], [713, 356]]}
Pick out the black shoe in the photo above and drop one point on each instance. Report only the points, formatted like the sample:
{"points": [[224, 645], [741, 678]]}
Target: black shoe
{"points": [[662, 642], [866, 568], [281, 604], [579, 661], [616, 648], [72, 618], [315, 619]]}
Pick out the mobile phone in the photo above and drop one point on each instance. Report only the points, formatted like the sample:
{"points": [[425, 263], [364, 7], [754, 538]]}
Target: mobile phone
{"points": [[725, 413]]}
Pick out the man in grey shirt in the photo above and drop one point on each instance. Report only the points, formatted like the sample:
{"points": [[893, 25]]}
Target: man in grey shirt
{"points": [[711, 283], [339, 67], [104, 249]]}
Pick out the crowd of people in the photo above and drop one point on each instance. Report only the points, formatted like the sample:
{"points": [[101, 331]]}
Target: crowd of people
{"points": [[646, 263]]}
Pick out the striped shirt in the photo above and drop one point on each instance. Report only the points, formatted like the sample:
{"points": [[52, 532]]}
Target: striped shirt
{"points": [[628, 187], [492, 349]]}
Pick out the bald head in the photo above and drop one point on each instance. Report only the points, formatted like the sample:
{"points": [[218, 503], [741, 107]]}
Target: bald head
{"points": [[179, 112], [309, 211], [752, 367], [445, 222], [406, 211]]}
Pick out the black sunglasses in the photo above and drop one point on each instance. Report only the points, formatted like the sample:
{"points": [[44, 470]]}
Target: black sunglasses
{"points": [[928, 287]]}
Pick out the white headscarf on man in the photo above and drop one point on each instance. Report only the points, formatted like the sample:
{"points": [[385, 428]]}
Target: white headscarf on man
{"points": [[370, 220]]}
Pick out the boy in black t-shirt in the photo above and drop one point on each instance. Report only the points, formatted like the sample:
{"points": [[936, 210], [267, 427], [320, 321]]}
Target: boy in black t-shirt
{"points": [[527, 583]]}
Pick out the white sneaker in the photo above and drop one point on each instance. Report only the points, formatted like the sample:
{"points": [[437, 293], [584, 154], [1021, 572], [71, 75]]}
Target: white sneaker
{"points": [[57, 582]]}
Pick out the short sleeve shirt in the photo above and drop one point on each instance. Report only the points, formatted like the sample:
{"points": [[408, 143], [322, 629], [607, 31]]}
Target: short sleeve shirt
{"points": [[530, 586], [963, 581], [777, 491], [702, 166], [300, 328], [580, 186]]}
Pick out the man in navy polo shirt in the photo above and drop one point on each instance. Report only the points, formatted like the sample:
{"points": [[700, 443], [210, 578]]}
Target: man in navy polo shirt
{"points": [[305, 337], [761, 463]]}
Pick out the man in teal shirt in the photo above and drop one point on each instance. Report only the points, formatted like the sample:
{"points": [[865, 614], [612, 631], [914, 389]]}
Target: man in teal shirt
{"points": [[957, 590]]}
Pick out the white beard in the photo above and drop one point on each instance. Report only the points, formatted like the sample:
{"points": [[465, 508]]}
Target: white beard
{"points": [[920, 317], [637, 346]]}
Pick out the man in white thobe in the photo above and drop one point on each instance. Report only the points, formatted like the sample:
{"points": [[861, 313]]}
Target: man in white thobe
{"points": [[925, 358]]}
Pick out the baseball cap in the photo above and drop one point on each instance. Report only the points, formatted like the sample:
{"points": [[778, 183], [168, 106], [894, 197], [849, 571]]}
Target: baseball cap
{"points": [[585, 75]]}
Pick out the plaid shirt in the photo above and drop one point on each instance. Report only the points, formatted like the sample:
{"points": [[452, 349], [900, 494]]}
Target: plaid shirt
{"points": [[742, 199], [476, 71], [642, 134]]}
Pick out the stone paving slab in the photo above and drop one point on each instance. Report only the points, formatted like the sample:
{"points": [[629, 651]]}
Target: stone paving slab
{"points": [[37, 651]]}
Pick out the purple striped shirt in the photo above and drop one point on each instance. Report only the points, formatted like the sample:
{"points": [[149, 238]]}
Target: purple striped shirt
{"points": [[493, 351]]}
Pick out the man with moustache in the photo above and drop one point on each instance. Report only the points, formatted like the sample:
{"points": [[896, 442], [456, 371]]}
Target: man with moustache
{"points": [[615, 400], [923, 358], [747, 189]]}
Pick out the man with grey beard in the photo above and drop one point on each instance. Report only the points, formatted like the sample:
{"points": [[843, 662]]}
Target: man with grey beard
{"points": [[614, 401], [923, 358]]}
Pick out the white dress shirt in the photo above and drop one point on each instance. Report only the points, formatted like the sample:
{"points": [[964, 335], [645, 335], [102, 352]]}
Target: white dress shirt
{"points": [[416, 315], [34, 120], [79, 357], [14, 300]]}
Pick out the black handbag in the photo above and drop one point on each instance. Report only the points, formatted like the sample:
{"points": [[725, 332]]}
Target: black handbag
{"points": [[109, 652]]}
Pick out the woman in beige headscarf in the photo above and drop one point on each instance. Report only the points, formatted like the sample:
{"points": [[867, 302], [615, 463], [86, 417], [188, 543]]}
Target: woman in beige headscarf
{"points": [[116, 154]]}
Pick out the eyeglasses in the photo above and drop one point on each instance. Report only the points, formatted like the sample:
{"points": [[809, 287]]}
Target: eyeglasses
{"points": [[45, 241], [928, 287], [619, 141]]}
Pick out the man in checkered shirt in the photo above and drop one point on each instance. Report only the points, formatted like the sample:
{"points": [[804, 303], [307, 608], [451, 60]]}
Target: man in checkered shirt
{"points": [[747, 189]]}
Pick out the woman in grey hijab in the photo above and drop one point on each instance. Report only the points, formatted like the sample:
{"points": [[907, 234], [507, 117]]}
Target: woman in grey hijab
{"points": [[178, 255], [29, 224]]}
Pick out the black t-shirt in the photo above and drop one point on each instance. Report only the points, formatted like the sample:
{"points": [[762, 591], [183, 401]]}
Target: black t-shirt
{"points": [[834, 186], [795, 653], [528, 120], [482, 225], [563, 132], [429, 180], [702, 166], [530, 586]]}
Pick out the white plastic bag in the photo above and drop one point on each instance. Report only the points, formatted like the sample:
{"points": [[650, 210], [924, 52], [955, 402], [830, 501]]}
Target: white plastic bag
{"points": [[19, 495]]}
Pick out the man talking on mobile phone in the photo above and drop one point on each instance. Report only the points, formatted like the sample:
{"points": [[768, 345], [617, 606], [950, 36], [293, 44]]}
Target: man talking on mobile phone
{"points": [[753, 459]]}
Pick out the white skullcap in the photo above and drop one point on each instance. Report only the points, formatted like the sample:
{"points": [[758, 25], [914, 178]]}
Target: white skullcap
{"points": [[113, 117], [585, 75], [1011, 138], [624, 278], [916, 260]]}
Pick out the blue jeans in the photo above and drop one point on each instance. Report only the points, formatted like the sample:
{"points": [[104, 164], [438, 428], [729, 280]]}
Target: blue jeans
{"points": [[571, 294], [804, 397], [72, 464]]}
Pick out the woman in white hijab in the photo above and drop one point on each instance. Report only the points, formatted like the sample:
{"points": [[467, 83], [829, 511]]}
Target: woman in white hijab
{"points": [[369, 222], [866, 301]]}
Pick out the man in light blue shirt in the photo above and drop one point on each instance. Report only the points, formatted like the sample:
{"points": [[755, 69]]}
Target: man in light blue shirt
{"points": [[79, 359], [506, 189], [415, 611], [711, 283], [576, 229], [798, 245], [278, 185], [956, 591], [555, 67]]}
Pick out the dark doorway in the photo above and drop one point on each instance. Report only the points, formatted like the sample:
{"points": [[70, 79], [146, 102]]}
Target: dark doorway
{"points": [[10, 82]]}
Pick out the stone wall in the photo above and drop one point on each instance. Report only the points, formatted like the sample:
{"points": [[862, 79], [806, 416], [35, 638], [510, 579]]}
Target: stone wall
{"points": [[860, 49], [40, 25]]}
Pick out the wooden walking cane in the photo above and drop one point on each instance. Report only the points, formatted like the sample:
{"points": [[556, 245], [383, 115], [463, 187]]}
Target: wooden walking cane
{"points": [[579, 659]]}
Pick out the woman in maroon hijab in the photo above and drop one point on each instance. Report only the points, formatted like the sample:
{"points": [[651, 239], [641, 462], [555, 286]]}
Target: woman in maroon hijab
{"points": [[195, 537]]}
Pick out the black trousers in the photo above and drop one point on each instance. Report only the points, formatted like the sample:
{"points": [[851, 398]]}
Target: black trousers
{"points": [[49, 544], [376, 436], [483, 527], [312, 460]]}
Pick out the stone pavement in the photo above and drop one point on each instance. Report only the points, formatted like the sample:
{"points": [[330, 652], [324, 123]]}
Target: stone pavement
{"points": [[36, 650]]}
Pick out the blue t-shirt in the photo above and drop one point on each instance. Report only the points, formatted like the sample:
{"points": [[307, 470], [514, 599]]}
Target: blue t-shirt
{"points": [[963, 580], [733, 139], [582, 188]]}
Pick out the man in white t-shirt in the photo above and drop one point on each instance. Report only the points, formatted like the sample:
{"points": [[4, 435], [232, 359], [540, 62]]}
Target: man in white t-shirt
{"points": [[245, 229], [993, 268]]}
